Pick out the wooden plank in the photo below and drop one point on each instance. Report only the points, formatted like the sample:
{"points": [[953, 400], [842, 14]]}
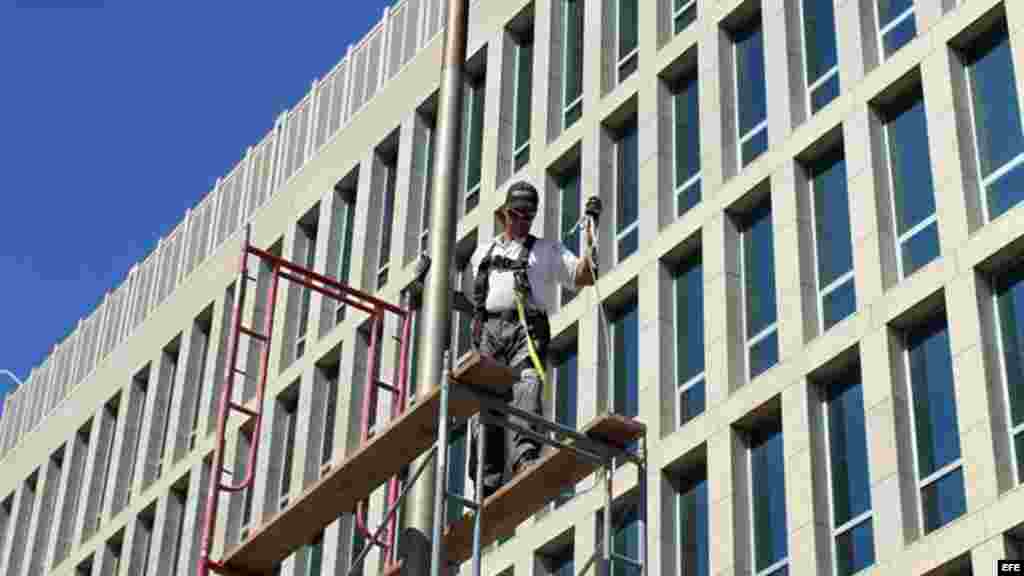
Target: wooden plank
{"points": [[398, 444], [534, 488]]}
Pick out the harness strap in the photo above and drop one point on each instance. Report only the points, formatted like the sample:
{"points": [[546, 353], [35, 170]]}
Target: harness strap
{"points": [[489, 263]]}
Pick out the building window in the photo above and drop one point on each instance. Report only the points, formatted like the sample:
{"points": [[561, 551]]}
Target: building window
{"points": [[457, 472], [558, 563], [572, 61], [684, 13], [569, 216], [307, 259], [689, 333], [330, 376], [626, 533], [757, 270], [176, 522], [566, 394], [625, 360], [833, 245], [1009, 296], [200, 352], [853, 547], [143, 542], [472, 137], [751, 99], [627, 55], [344, 224], [820, 52], [692, 522], [627, 191], [104, 458], [686, 123], [169, 381], [387, 217], [768, 501], [427, 169], [287, 422], [522, 92], [896, 26], [910, 182], [72, 495], [462, 330], [241, 461], [995, 110], [929, 370]]}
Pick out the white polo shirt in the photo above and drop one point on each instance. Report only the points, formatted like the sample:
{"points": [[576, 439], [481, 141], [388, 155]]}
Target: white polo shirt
{"points": [[550, 263]]}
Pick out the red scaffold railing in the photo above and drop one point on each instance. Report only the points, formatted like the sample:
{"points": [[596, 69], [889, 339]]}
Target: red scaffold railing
{"points": [[331, 288]]}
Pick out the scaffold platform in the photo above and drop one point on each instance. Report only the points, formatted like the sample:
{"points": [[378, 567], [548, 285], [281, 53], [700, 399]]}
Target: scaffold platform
{"points": [[404, 439]]}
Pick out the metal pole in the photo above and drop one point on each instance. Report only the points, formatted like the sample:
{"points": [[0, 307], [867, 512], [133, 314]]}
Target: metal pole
{"points": [[481, 441], [440, 482], [607, 545], [436, 298], [641, 470]]}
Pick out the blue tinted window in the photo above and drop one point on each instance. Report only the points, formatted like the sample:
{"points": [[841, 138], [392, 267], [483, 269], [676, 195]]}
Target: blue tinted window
{"points": [[768, 495], [692, 401], [825, 92], [628, 31], [910, 164], [685, 14], [456, 469], [562, 565], [565, 400], [689, 312], [764, 354], [899, 35], [839, 303], [819, 38], [943, 500], [626, 360], [855, 549], [833, 236], [686, 107], [628, 189], [689, 283], [848, 452], [573, 72], [831, 218], [935, 414], [888, 10], [1010, 303], [759, 269], [693, 528], [913, 191], [997, 123], [920, 249], [750, 79], [895, 24], [626, 541]]}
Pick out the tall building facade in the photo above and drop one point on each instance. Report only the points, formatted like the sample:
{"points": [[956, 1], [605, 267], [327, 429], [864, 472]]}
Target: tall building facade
{"points": [[811, 292]]}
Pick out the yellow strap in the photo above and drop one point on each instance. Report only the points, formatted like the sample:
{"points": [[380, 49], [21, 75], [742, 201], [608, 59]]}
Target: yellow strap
{"points": [[529, 341]]}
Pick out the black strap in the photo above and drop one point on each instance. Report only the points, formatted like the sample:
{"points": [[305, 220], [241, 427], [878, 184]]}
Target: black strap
{"points": [[481, 284]]}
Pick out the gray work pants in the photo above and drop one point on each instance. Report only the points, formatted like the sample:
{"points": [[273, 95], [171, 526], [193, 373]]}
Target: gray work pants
{"points": [[505, 341]]}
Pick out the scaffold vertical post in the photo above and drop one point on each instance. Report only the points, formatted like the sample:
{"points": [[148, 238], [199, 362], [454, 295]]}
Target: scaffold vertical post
{"points": [[441, 478], [478, 494], [606, 545], [641, 467]]}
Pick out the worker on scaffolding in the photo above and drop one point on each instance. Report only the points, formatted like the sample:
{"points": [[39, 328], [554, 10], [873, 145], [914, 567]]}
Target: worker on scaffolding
{"points": [[512, 273]]}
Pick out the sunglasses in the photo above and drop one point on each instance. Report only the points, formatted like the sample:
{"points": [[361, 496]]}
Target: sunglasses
{"points": [[520, 215]]}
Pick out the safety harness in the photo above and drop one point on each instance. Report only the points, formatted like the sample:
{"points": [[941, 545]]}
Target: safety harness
{"points": [[519, 267]]}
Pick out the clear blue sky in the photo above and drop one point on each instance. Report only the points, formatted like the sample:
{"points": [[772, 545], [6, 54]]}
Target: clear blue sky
{"points": [[120, 116]]}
